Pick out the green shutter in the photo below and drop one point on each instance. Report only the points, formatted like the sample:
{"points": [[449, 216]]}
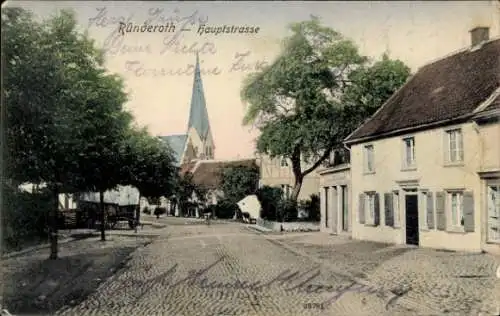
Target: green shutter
{"points": [[376, 220], [430, 211], [468, 211], [440, 211], [389, 209], [361, 208]]}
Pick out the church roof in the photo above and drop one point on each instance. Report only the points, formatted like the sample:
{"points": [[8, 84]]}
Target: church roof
{"points": [[177, 143], [198, 114]]}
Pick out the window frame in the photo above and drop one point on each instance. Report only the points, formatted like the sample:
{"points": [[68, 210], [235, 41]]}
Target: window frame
{"points": [[406, 165], [369, 153], [369, 207], [455, 147], [457, 224]]}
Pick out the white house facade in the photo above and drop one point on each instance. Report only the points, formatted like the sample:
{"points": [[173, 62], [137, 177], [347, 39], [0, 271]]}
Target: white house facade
{"points": [[425, 168]]}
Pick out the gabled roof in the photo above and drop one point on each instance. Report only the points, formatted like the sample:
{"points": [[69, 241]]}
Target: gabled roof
{"points": [[177, 143], [444, 90], [208, 173], [198, 114], [494, 105]]}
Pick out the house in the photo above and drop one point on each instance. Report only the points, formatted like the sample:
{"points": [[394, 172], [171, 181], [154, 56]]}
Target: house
{"points": [[207, 175], [277, 172], [425, 168], [197, 143], [334, 191]]}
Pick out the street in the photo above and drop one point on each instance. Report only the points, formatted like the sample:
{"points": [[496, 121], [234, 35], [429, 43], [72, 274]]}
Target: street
{"points": [[229, 269]]}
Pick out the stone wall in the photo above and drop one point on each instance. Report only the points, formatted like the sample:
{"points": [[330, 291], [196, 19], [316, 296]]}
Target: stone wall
{"points": [[289, 226]]}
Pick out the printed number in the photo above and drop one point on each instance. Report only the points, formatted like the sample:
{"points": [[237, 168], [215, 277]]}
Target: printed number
{"points": [[314, 306]]}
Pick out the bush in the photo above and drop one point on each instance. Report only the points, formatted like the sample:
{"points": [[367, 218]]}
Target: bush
{"points": [[312, 207], [25, 216], [160, 211], [288, 211], [270, 199], [225, 209], [147, 210]]}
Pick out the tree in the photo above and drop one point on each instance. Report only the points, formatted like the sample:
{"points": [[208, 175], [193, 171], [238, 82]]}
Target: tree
{"points": [[184, 190], [64, 111], [297, 102], [238, 182], [148, 165]]}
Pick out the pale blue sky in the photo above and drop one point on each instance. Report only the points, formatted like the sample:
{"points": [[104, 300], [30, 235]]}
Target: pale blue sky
{"points": [[415, 32]]}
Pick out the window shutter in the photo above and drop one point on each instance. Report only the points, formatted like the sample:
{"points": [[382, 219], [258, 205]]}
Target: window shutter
{"points": [[468, 211], [430, 211], [389, 210], [376, 220], [440, 211], [361, 208]]}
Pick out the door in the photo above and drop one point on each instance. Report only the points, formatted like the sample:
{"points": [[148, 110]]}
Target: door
{"points": [[411, 206], [494, 213], [345, 212]]}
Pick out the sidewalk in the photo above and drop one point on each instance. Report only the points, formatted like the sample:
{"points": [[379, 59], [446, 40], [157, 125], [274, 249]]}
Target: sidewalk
{"points": [[33, 284], [438, 283]]}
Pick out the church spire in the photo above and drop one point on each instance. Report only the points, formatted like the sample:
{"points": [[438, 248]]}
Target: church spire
{"points": [[198, 114]]}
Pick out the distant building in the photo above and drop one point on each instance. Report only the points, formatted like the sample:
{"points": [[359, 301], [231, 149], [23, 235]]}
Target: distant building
{"points": [[277, 172]]}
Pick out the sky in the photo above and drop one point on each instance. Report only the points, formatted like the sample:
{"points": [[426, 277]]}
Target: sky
{"points": [[156, 65]]}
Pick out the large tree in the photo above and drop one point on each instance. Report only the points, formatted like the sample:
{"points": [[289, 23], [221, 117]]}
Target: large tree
{"points": [[64, 111], [298, 101]]}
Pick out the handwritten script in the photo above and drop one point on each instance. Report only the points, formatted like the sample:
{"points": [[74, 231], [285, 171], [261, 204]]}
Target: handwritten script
{"points": [[172, 42], [301, 282]]}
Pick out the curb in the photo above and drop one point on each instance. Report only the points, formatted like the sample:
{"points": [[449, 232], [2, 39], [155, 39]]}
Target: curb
{"points": [[35, 248]]}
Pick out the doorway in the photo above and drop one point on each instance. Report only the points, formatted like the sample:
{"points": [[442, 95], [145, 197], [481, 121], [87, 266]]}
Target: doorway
{"points": [[411, 211]]}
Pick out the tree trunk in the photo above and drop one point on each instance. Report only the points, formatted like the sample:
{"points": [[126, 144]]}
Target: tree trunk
{"points": [[53, 224], [296, 188], [103, 216], [137, 214]]}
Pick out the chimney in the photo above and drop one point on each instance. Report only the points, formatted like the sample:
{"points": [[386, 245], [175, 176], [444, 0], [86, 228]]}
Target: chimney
{"points": [[479, 35]]}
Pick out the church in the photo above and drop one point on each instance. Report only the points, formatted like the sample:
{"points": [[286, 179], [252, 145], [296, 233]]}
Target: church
{"points": [[197, 143], [194, 151]]}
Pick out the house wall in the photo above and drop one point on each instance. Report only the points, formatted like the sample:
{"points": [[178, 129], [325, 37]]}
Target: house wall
{"points": [[333, 179], [273, 174], [490, 150], [431, 173]]}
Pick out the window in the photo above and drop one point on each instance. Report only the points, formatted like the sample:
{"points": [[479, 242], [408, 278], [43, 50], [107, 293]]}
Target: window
{"points": [[455, 145], [395, 202], [409, 152], [369, 155], [283, 162], [370, 207], [455, 200], [286, 190]]}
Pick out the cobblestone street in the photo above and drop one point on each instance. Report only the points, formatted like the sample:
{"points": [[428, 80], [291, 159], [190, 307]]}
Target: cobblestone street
{"points": [[227, 269]]}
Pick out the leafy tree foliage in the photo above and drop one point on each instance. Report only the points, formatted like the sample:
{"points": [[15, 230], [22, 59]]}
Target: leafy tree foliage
{"points": [[66, 125], [298, 102], [238, 182]]}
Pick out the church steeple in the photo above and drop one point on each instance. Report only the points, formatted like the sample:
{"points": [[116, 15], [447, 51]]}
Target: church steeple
{"points": [[198, 114]]}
